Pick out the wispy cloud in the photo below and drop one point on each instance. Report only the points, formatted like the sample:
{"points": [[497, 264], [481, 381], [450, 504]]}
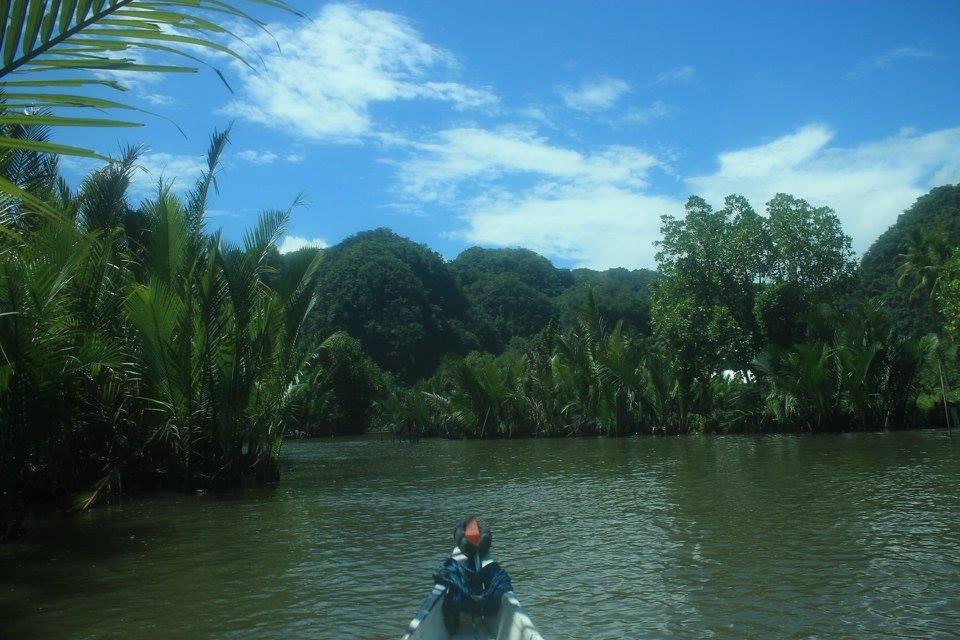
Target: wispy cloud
{"points": [[257, 157], [594, 95], [160, 100], [265, 156], [676, 75], [180, 172], [514, 187], [893, 56], [338, 64], [890, 59], [295, 243], [460, 157], [646, 115]]}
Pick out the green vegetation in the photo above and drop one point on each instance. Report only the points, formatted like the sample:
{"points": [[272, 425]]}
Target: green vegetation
{"points": [[948, 295], [753, 323], [593, 379], [510, 292], [934, 220], [617, 293], [397, 297], [138, 348]]}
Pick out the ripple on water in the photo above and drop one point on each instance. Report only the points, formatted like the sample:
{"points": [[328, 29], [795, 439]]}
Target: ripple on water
{"points": [[792, 537]]}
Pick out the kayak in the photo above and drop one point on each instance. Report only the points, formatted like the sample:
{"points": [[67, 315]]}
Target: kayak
{"points": [[510, 622]]}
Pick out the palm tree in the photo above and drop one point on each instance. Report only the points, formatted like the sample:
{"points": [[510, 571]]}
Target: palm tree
{"points": [[59, 366], [53, 50], [802, 386], [136, 340], [922, 265]]}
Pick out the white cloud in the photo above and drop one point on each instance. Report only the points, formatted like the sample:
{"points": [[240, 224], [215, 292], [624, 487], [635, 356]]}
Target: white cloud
{"points": [[646, 115], [595, 95], [868, 185], [512, 187], [179, 172], [295, 243], [539, 114], [901, 53], [269, 157], [889, 59], [892, 56], [461, 96], [677, 75], [257, 157], [595, 226], [468, 155], [160, 100], [338, 64]]}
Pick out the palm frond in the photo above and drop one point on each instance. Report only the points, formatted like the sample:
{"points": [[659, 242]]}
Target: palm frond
{"points": [[71, 41]]}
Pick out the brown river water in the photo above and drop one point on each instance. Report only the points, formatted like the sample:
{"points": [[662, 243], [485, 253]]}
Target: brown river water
{"points": [[849, 536]]}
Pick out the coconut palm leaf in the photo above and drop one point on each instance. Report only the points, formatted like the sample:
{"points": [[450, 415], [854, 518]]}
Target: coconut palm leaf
{"points": [[72, 40]]}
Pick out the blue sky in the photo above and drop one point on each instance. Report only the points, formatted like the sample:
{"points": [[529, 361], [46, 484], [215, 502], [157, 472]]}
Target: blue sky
{"points": [[568, 128]]}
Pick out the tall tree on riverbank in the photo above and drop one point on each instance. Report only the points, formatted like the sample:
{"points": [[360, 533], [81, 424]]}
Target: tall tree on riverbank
{"points": [[715, 264]]}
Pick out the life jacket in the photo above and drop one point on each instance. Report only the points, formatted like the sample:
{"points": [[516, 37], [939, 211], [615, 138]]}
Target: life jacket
{"points": [[475, 584]]}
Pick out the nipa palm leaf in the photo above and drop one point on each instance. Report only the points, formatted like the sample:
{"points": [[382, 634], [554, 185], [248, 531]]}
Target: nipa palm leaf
{"points": [[51, 52]]}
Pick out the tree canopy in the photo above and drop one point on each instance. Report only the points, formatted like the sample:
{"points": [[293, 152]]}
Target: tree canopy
{"points": [[715, 263], [394, 295], [617, 293], [510, 292]]}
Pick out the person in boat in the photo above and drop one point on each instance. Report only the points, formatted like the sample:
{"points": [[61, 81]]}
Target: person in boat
{"points": [[475, 583]]}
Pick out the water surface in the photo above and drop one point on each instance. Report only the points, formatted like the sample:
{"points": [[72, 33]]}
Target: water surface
{"points": [[854, 536]]}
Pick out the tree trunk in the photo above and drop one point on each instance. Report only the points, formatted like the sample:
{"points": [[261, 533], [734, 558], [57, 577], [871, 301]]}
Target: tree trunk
{"points": [[943, 392]]}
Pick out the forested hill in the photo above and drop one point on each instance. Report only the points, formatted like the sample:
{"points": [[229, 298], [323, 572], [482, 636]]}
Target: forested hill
{"points": [[927, 233], [409, 308]]}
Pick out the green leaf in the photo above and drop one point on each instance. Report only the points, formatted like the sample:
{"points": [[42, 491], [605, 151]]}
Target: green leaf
{"points": [[49, 147], [12, 37], [103, 64], [83, 8], [60, 121], [34, 15], [62, 82], [49, 21], [167, 37], [11, 189], [54, 99], [66, 14]]}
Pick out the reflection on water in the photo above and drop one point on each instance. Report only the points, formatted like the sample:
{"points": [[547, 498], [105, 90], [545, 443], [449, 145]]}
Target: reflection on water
{"points": [[773, 537]]}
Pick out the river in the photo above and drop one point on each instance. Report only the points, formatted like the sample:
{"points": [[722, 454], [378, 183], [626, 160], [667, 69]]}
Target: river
{"points": [[849, 536]]}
